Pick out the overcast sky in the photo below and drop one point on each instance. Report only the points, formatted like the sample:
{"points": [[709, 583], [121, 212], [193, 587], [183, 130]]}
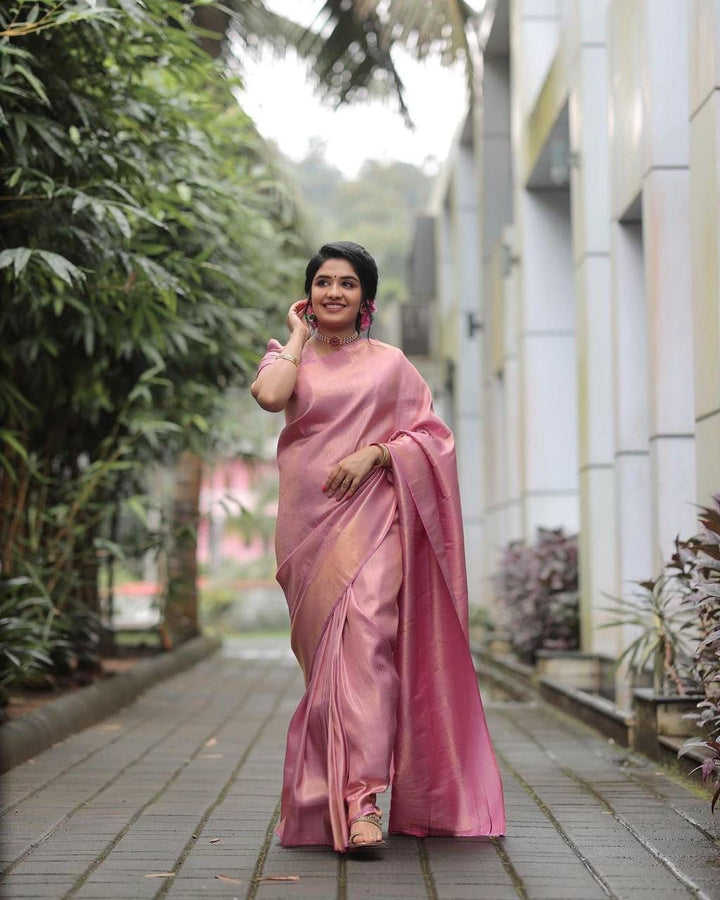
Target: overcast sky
{"points": [[281, 101]]}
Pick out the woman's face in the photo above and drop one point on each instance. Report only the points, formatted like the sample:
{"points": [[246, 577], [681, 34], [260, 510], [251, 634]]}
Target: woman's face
{"points": [[336, 295]]}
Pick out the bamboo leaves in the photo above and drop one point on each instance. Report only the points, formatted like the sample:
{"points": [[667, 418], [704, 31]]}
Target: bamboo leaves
{"points": [[143, 248]]}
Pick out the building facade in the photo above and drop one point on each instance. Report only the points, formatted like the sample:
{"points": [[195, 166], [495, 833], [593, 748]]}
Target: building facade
{"points": [[577, 286]]}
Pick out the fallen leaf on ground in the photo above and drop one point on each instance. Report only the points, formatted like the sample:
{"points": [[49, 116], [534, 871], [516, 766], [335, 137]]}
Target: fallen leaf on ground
{"points": [[161, 875], [214, 840], [112, 727], [211, 742], [210, 756], [228, 878], [277, 878]]}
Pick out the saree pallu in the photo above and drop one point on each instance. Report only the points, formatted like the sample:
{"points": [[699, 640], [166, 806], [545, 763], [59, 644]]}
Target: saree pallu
{"points": [[402, 530]]}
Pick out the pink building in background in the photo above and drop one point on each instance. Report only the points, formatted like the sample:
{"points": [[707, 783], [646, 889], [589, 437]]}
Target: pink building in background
{"points": [[228, 487]]}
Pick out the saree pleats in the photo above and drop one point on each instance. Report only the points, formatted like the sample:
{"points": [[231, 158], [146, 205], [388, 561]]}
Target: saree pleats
{"points": [[377, 594], [354, 682]]}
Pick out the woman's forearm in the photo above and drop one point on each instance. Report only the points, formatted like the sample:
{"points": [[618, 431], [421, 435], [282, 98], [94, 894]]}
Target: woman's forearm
{"points": [[275, 384]]}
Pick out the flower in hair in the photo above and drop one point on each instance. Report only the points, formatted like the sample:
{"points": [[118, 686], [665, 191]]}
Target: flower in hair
{"points": [[366, 316]]}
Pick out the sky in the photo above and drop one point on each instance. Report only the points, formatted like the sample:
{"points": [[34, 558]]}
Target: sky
{"points": [[280, 99]]}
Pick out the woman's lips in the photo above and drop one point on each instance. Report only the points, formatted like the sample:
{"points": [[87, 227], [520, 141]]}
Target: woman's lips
{"points": [[333, 306]]}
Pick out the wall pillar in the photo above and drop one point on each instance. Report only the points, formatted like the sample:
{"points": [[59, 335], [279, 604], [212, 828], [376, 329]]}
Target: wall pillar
{"points": [[668, 277], [704, 50], [591, 247], [547, 364], [469, 426]]}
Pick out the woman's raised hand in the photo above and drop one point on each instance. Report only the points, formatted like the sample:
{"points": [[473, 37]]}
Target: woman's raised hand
{"points": [[352, 471], [295, 321]]}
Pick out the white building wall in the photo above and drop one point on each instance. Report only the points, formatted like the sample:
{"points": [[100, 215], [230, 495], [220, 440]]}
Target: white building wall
{"points": [[591, 398]]}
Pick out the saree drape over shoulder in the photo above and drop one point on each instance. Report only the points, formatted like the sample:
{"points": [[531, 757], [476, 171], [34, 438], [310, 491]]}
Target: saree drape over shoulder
{"points": [[399, 537]]}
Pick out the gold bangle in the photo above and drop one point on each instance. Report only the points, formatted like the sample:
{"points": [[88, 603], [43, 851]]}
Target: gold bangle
{"points": [[293, 359], [384, 460]]}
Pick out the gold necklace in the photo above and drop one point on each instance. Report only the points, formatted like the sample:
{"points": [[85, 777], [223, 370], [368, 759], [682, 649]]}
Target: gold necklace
{"points": [[335, 341]]}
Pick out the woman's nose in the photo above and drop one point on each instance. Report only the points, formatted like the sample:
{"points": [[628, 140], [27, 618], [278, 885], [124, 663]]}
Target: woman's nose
{"points": [[334, 289]]}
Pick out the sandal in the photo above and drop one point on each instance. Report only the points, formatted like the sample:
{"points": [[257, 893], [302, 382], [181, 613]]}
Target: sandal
{"points": [[355, 846]]}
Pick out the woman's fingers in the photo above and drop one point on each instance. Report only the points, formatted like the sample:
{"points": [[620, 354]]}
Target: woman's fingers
{"points": [[294, 316], [343, 484], [334, 482], [338, 483], [298, 308], [347, 476]]}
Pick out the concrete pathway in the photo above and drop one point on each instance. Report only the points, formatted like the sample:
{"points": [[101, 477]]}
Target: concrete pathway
{"points": [[177, 796]]}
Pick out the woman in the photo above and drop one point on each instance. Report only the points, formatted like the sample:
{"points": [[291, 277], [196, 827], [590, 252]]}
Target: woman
{"points": [[370, 552]]}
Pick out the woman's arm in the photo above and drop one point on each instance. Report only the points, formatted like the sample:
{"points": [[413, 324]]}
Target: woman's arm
{"points": [[274, 386]]}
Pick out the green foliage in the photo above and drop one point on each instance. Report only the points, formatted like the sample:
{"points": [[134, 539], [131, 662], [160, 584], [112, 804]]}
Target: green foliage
{"points": [[37, 638], [147, 239], [27, 638], [677, 617], [664, 633], [376, 209], [351, 43]]}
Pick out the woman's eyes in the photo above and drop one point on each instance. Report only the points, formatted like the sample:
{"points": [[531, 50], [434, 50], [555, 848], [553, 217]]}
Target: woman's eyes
{"points": [[323, 282]]}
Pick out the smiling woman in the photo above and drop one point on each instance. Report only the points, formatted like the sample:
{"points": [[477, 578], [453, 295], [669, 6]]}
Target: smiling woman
{"points": [[335, 298], [370, 556]]}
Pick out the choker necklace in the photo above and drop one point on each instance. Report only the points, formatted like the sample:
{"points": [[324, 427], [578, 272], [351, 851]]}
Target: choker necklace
{"points": [[335, 341]]}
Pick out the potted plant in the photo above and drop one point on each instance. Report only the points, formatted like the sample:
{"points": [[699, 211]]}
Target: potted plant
{"points": [[665, 634]]}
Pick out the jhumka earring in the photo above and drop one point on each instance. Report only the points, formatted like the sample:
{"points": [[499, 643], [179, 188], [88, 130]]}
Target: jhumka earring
{"points": [[310, 316]]}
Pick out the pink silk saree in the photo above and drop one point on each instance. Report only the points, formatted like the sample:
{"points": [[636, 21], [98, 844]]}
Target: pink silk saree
{"points": [[402, 531]]}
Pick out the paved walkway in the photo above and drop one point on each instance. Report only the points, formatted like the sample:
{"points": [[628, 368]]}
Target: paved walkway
{"points": [[177, 797]]}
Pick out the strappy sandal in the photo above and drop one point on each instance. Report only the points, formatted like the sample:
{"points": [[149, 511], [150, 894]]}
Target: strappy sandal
{"points": [[359, 846]]}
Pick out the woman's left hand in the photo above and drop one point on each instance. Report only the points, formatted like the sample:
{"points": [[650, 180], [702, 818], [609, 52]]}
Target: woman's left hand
{"points": [[352, 471]]}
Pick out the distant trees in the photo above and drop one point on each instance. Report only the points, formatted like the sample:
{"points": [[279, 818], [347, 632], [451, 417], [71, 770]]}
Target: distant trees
{"points": [[376, 209]]}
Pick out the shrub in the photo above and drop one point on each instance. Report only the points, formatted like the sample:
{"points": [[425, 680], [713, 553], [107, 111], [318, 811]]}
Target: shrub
{"points": [[696, 563], [665, 633], [537, 590]]}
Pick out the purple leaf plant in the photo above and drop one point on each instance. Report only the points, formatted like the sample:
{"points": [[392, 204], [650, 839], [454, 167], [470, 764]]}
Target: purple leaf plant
{"points": [[537, 592]]}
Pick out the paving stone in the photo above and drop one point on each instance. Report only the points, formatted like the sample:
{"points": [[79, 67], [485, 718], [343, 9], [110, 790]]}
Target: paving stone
{"points": [[201, 754]]}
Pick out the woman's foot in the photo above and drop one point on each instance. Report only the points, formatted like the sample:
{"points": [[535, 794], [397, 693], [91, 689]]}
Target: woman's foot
{"points": [[366, 831]]}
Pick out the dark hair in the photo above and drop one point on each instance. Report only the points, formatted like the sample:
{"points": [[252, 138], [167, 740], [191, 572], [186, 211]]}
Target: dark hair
{"points": [[358, 257]]}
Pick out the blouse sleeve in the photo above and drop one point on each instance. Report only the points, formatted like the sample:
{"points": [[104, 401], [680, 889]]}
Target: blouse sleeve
{"points": [[273, 350]]}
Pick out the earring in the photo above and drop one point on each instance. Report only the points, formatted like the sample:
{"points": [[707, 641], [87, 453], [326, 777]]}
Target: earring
{"points": [[310, 316]]}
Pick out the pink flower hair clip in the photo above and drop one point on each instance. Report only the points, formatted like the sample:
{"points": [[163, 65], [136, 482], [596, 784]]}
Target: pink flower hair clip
{"points": [[366, 316]]}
